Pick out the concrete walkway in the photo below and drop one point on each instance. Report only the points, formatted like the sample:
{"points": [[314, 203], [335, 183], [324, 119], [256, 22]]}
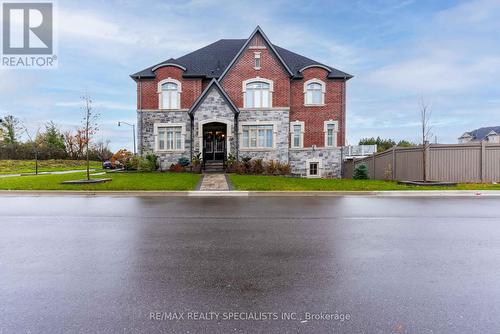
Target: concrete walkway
{"points": [[214, 182]]}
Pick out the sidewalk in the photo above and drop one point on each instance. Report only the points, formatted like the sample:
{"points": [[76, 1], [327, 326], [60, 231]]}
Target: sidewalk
{"points": [[225, 193]]}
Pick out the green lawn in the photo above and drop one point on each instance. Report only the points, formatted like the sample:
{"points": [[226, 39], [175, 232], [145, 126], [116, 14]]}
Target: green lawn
{"points": [[28, 166], [258, 182], [121, 181]]}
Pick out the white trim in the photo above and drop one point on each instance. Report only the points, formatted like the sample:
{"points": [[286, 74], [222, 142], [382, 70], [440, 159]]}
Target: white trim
{"points": [[323, 91], [168, 64], [335, 131], [319, 161], [315, 65], [229, 133], [257, 79], [302, 130], [168, 125], [160, 91], [257, 122]]}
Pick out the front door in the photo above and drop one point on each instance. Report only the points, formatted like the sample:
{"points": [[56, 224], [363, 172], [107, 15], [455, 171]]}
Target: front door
{"points": [[214, 143]]}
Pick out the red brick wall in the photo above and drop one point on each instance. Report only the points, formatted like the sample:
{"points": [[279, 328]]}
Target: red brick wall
{"points": [[191, 88], [314, 117], [271, 69]]}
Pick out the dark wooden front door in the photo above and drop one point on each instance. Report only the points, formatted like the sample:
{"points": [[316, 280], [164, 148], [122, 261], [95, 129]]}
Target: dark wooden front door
{"points": [[214, 142]]}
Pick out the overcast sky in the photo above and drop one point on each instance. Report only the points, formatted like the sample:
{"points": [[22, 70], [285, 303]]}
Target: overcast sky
{"points": [[446, 51]]}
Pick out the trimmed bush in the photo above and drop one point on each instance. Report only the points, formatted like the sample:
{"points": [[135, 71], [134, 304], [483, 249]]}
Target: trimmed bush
{"points": [[183, 161], [177, 168], [360, 172]]}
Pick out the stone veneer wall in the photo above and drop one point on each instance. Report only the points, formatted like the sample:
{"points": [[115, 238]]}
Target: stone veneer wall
{"points": [[149, 118], [214, 107], [331, 161], [280, 117]]}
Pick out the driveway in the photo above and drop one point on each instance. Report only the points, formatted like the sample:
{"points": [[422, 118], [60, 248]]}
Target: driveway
{"points": [[220, 265]]}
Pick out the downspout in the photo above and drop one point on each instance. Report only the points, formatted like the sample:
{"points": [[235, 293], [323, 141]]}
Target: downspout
{"points": [[237, 135], [191, 117], [140, 118], [343, 126]]}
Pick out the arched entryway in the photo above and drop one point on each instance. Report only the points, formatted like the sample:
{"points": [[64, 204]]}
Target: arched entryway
{"points": [[215, 143]]}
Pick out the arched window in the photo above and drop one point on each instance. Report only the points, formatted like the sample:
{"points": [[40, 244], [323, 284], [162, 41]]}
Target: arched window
{"points": [[257, 93], [314, 92], [169, 94]]}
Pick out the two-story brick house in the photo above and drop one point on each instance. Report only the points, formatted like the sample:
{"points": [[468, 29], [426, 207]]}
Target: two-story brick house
{"points": [[248, 98]]}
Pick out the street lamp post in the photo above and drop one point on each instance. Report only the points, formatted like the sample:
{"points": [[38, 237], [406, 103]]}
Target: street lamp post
{"points": [[133, 131]]}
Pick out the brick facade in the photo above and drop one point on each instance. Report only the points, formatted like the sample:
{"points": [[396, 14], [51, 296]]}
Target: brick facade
{"points": [[191, 88], [287, 106]]}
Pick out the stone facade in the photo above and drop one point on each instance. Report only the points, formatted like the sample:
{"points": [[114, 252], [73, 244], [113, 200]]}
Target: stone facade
{"points": [[329, 160], [280, 119], [213, 108], [147, 136]]}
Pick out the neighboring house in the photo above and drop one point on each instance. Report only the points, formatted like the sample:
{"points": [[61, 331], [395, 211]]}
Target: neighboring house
{"points": [[489, 134], [245, 98]]}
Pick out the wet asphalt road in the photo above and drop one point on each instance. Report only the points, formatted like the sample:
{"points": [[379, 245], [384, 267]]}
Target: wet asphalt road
{"points": [[389, 265]]}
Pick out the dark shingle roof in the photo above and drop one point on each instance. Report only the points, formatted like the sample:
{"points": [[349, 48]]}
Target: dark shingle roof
{"points": [[211, 61], [481, 133]]}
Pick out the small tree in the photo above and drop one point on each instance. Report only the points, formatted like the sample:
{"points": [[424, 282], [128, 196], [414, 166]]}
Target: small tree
{"points": [[33, 140], [425, 116], [360, 172], [90, 126]]}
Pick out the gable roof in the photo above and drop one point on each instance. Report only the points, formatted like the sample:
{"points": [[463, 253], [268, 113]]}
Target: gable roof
{"points": [[257, 30], [482, 133], [213, 84], [214, 59]]}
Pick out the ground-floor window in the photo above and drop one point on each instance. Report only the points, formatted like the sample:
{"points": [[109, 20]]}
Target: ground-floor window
{"points": [[257, 136], [169, 137], [313, 168]]}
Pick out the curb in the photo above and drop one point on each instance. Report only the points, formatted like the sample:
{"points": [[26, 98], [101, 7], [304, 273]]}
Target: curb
{"points": [[197, 193]]}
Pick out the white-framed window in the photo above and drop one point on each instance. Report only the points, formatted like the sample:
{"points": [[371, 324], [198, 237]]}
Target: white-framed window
{"points": [[257, 136], [330, 130], [169, 136], [314, 167], [169, 94], [314, 92], [257, 93], [297, 134], [256, 56]]}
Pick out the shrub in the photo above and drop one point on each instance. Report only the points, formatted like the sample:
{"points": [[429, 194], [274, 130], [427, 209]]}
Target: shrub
{"points": [[183, 161], [272, 167], [284, 169], [197, 160], [147, 164], [176, 168], [360, 172], [257, 166], [153, 160], [240, 168], [132, 163]]}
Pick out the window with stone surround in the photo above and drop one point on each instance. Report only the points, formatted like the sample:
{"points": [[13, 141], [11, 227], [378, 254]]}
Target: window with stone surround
{"points": [[314, 92], [257, 93], [330, 130], [257, 136], [297, 134], [169, 136]]}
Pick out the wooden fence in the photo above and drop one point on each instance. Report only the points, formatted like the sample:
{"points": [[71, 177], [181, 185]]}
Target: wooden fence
{"points": [[471, 162]]}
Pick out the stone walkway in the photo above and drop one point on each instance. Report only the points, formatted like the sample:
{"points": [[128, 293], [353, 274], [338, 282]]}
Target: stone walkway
{"points": [[214, 182]]}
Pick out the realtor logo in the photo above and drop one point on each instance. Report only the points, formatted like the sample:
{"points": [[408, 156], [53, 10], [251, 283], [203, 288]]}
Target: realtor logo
{"points": [[28, 35]]}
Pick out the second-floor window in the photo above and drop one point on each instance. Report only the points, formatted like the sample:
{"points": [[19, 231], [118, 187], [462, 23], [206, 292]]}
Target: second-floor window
{"points": [[314, 92], [258, 94], [169, 91]]}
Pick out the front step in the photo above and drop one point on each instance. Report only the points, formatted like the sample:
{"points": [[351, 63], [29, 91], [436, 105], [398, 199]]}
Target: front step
{"points": [[214, 167]]}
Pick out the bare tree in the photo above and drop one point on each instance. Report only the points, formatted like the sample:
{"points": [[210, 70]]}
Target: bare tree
{"points": [[90, 126], [32, 137], [425, 116]]}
